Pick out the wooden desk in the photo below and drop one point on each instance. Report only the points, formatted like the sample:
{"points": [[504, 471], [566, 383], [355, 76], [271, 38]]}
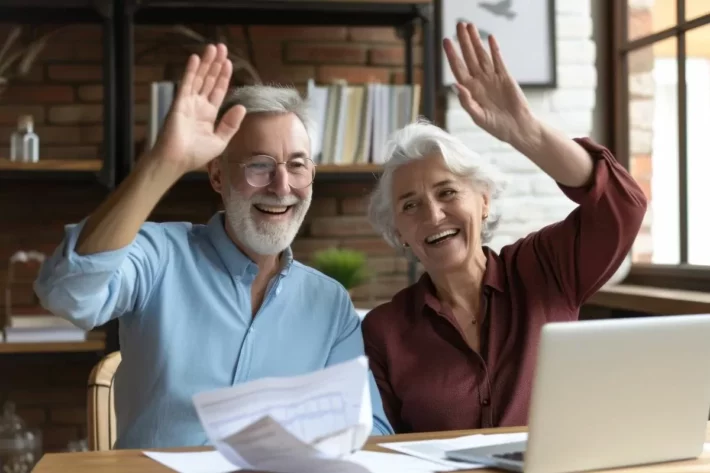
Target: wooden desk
{"points": [[119, 461], [652, 300]]}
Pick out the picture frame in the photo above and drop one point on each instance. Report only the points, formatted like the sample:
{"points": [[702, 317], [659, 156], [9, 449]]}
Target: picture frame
{"points": [[530, 57]]}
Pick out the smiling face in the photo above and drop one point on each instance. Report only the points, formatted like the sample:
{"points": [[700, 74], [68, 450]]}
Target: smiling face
{"points": [[438, 214], [265, 220]]}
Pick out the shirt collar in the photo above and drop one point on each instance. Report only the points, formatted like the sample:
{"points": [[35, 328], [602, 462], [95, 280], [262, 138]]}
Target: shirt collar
{"points": [[493, 279], [237, 263]]}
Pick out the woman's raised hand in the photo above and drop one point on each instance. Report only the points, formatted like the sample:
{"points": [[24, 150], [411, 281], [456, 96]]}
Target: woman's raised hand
{"points": [[486, 89]]}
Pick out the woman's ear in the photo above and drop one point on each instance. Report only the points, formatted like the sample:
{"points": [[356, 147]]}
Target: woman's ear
{"points": [[402, 243], [485, 210]]}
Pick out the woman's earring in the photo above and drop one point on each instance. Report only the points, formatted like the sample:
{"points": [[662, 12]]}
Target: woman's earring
{"points": [[405, 245], [485, 216]]}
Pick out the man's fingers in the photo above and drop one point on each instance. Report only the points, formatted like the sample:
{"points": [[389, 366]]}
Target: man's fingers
{"points": [[222, 85], [208, 57]]}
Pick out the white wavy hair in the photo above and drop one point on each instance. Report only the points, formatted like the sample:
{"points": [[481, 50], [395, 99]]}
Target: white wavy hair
{"points": [[417, 141]]}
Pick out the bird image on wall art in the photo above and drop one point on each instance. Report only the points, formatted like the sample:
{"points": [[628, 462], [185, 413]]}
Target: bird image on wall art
{"points": [[501, 8]]}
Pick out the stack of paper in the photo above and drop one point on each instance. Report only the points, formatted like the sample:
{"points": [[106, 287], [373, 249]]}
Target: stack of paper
{"points": [[310, 423]]}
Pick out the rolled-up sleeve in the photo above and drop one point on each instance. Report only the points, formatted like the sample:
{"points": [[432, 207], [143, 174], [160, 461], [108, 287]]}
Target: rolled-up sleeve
{"points": [[90, 290], [578, 255]]}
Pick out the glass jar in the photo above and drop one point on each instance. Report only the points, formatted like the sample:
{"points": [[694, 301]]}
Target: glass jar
{"points": [[20, 447]]}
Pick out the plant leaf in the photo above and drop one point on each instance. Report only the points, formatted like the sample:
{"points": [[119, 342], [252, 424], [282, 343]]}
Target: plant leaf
{"points": [[9, 62], [346, 266], [11, 38]]}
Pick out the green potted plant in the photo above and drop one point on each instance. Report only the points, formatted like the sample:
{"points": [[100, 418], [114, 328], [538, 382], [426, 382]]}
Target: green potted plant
{"points": [[348, 267]]}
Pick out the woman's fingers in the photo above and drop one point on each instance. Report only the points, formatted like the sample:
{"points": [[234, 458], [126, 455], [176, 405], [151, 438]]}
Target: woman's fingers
{"points": [[484, 60], [498, 64], [469, 54], [457, 65]]}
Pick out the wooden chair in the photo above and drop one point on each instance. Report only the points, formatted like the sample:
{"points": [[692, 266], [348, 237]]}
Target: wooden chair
{"points": [[101, 416]]}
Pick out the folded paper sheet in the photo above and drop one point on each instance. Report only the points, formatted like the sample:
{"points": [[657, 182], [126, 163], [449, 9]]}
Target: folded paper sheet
{"points": [[291, 424]]}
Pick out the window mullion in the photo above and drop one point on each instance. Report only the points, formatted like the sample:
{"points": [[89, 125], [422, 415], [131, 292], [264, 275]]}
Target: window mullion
{"points": [[682, 137]]}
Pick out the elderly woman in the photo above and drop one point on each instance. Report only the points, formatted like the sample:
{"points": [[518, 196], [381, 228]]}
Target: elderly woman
{"points": [[457, 349]]}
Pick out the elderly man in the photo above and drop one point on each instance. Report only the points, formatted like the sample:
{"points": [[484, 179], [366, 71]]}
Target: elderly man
{"points": [[207, 306]]}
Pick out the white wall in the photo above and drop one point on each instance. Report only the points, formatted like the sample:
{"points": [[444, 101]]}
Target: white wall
{"points": [[533, 199]]}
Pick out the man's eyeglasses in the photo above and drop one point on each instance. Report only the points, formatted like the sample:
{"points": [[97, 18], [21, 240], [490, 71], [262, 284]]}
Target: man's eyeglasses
{"points": [[260, 171]]}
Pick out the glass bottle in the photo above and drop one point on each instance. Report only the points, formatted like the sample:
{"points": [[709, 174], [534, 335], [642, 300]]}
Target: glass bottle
{"points": [[20, 447], [24, 142]]}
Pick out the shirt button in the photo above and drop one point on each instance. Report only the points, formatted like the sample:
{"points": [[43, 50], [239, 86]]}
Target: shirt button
{"points": [[485, 402]]}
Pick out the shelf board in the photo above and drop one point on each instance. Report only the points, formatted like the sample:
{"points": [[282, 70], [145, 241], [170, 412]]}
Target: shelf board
{"points": [[50, 11], [348, 169], [52, 347], [284, 12], [323, 171], [652, 300], [80, 165], [95, 341]]}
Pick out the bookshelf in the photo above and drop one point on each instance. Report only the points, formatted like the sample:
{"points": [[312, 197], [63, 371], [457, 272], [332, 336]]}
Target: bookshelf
{"points": [[402, 14], [66, 12]]}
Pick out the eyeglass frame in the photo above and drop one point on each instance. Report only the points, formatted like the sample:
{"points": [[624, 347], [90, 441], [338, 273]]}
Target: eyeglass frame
{"points": [[243, 165]]}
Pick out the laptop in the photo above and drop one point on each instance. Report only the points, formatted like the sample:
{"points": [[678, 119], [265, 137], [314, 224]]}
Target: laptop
{"points": [[612, 393]]}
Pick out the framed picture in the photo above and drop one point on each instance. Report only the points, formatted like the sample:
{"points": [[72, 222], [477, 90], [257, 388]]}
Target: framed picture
{"points": [[525, 30]]}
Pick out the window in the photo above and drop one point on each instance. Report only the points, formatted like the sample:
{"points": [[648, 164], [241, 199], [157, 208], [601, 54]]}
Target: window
{"points": [[662, 132]]}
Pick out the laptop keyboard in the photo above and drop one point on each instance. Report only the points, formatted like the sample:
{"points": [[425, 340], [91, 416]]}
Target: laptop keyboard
{"points": [[512, 456]]}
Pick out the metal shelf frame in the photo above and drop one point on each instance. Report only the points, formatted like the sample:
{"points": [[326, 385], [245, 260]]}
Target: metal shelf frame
{"points": [[75, 12]]}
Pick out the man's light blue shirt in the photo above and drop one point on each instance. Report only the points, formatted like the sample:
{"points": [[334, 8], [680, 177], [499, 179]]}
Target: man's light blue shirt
{"points": [[182, 292]]}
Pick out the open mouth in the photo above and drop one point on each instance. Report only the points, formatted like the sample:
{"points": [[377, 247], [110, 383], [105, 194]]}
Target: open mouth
{"points": [[272, 209], [439, 238]]}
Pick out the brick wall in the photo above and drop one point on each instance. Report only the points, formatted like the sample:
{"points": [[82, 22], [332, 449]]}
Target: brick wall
{"points": [[64, 91], [533, 199]]}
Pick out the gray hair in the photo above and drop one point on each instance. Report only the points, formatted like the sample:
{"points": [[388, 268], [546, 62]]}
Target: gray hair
{"points": [[271, 99], [416, 141]]}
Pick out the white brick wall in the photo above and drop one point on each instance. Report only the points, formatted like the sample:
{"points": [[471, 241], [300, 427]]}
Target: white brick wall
{"points": [[533, 199]]}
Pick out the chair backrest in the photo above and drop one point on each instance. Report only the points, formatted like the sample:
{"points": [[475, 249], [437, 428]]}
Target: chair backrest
{"points": [[101, 416]]}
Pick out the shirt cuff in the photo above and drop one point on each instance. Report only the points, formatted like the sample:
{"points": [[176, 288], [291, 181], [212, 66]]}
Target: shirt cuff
{"points": [[604, 165], [92, 263]]}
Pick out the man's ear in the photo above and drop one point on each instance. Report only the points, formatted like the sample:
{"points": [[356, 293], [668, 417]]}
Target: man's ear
{"points": [[216, 173]]}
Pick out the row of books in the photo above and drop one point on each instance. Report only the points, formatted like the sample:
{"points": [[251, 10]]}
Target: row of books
{"points": [[354, 120]]}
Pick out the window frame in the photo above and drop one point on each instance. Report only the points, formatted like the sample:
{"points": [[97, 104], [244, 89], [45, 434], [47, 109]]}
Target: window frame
{"points": [[677, 276]]}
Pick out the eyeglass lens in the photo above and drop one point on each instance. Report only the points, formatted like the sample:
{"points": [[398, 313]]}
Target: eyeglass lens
{"points": [[261, 170]]}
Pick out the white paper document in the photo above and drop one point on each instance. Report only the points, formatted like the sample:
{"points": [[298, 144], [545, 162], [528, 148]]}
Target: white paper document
{"points": [[435, 450], [291, 424], [372, 462], [193, 462]]}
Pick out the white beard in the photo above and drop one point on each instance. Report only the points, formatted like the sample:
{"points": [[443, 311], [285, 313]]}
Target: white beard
{"points": [[264, 238]]}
